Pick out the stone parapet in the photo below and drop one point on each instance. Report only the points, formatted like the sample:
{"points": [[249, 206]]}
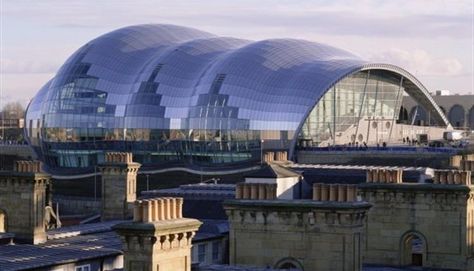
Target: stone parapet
{"points": [[334, 192], [454, 177], [254, 191], [311, 235], [447, 197], [385, 175], [299, 212]]}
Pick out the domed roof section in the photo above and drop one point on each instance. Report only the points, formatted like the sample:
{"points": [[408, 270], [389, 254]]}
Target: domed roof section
{"points": [[126, 49], [273, 83], [167, 77], [156, 86], [172, 77]]}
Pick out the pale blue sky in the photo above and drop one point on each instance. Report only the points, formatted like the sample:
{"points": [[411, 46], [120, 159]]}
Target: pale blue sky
{"points": [[433, 39]]}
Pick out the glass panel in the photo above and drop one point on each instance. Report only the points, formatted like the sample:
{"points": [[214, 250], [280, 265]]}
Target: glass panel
{"points": [[358, 101]]}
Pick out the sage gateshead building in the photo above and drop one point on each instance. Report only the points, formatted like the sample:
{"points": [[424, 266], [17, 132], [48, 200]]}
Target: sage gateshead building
{"points": [[178, 97]]}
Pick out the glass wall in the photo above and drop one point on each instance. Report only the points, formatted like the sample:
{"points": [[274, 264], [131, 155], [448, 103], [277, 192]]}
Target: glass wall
{"points": [[344, 114], [180, 97]]}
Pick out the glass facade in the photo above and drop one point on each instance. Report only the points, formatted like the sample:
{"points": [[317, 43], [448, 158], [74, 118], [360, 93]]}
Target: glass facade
{"points": [[180, 97], [365, 98]]}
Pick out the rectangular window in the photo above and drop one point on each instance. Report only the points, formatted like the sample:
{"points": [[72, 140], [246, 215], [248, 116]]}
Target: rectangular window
{"points": [[216, 247], [201, 253], [86, 267], [217, 83]]}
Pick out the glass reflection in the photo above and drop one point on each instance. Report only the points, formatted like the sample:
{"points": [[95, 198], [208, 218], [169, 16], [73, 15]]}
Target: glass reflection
{"points": [[360, 101]]}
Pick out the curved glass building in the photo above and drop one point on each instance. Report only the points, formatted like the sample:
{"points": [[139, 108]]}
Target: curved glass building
{"points": [[180, 97]]}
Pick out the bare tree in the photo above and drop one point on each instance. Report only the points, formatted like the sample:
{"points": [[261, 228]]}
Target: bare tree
{"points": [[13, 110]]}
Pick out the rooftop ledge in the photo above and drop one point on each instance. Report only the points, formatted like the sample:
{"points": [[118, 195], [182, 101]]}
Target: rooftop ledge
{"points": [[10, 173], [416, 187], [171, 225], [297, 204]]}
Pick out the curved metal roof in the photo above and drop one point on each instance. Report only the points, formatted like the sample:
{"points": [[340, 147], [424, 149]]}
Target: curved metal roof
{"points": [[172, 77]]}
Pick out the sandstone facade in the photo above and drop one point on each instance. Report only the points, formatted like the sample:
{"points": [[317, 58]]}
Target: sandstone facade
{"points": [[302, 234], [420, 223], [119, 185], [23, 199]]}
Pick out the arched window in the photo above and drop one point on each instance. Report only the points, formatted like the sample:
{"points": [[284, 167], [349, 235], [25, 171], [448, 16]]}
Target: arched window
{"points": [[471, 118], [403, 116], [442, 109], [289, 264], [456, 116], [413, 249], [418, 116]]}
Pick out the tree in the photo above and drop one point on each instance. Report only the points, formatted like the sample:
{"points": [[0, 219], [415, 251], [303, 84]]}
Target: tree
{"points": [[10, 127], [13, 110]]}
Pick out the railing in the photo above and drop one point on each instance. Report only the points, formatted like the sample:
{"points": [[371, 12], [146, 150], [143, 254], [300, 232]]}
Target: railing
{"points": [[378, 149]]}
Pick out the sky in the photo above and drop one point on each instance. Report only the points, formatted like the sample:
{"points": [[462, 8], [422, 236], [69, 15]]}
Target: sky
{"points": [[432, 39]]}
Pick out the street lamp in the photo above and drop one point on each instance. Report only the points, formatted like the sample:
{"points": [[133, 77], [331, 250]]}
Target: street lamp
{"points": [[261, 151]]}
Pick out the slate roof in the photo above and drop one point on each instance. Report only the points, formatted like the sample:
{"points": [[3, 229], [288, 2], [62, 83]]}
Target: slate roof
{"points": [[82, 242], [273, 171], [201, 201], [60, 251]]}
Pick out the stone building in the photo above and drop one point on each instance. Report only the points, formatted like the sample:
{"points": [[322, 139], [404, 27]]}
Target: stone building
{"points": [[421, 224], [323, 233], [23, 202], [458, 108], [119, 185]]}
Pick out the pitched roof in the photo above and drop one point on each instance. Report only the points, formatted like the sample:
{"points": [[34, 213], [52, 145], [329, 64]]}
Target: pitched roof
{"points": [[273, 171]]}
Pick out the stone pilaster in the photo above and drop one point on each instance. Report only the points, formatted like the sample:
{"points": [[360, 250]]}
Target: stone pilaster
{"points": [[159, 238], [119, 185]]}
